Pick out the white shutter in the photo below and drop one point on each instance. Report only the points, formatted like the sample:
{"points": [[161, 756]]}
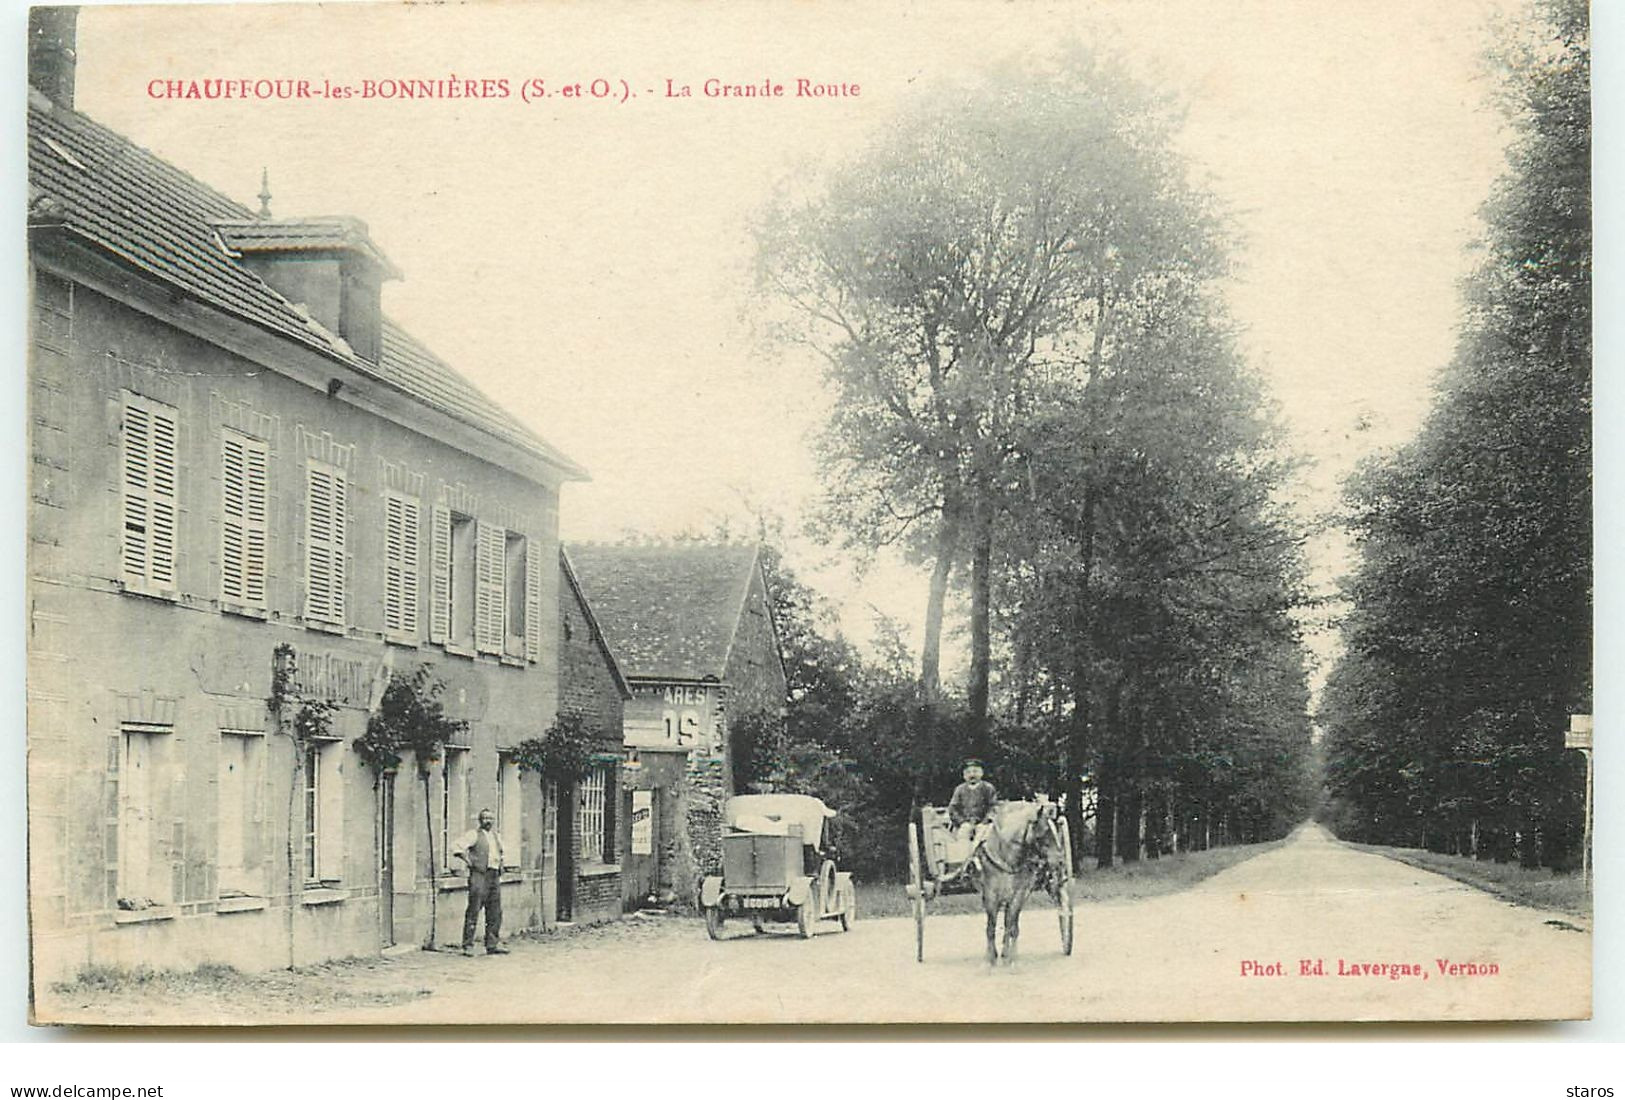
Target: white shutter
{"points": [[137, 490], [533, 601], [150, 458], [440, 575], [490, 551], [164, 461], [325, 502], [401, 566], [242, 520], [257, 490]]}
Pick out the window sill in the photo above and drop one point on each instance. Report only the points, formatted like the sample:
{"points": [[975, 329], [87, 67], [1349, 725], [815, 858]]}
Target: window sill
{"points": [[239, 905], [321, 895], [324, 628], [451, 884], [242, 611], [459, 650], [512, 876], [512, 661], [405, 641], [145, 916], [594, 870], [130, 588]]}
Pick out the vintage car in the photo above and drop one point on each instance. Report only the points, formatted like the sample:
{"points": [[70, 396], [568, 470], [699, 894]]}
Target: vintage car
{"points": [[774, 868]]}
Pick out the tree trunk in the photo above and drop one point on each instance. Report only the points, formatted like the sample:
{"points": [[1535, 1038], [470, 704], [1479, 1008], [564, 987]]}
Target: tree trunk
{"points": [[981, 639], [1105, 829], [936, 597], [1133, 808]]}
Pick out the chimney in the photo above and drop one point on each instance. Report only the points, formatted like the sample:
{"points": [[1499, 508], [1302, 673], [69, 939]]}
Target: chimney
{"points": [[52, 52], [327, 265]]}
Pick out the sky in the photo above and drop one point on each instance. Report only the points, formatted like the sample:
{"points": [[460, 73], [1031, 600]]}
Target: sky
{"points": [[586, 261]]}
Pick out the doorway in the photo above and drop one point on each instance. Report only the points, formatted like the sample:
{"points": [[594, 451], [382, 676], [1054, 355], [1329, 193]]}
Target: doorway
{"points": [[564, 807]]}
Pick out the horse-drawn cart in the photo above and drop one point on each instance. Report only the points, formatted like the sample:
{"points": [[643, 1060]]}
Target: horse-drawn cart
{"points": [[774, 869], [1030, 845]]}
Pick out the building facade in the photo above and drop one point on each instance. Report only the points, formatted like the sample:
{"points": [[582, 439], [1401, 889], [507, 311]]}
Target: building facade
{"points": [[238, 464], [692, 631]]}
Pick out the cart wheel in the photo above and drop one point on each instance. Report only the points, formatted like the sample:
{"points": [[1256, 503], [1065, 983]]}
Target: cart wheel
{"points": [[849, 912], [917, 891], [1063, 893], [804, 919], [713, 921]]}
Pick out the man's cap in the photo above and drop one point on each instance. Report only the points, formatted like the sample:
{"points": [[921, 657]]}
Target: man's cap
{"points": [[973, 761]]}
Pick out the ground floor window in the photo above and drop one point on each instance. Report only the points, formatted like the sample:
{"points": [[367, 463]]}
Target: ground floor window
{"points": [[453, 805], [147, 859], [323, 813], [510, 814], [595, 815], [239, 856]]}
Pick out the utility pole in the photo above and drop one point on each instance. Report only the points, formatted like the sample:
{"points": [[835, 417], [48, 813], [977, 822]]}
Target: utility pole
{"points": [[1580, 738]]}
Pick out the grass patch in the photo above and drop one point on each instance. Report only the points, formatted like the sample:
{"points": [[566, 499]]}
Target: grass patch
{"points": [[1125, 882], [1539, 888], [218, 984]]}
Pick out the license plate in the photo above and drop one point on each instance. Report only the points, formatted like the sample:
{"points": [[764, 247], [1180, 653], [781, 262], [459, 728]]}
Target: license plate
{"points": [[759, 903]]}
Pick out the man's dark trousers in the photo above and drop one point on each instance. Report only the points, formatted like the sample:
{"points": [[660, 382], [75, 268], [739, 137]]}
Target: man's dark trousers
{"points": [[484, 892]]}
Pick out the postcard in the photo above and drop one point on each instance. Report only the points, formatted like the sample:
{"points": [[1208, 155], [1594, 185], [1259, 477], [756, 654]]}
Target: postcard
{"points": [[816, 513]]}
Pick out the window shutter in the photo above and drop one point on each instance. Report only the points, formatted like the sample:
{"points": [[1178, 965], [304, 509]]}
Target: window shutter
{"points": [[324, 545], [440, 575], [147, 548], [490, 581], [401, 566], [533, 601], [242, 520], [164, 461], [257, 491]]}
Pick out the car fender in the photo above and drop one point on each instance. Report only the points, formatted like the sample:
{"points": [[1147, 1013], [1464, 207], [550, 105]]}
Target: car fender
{"points": [[800, 889], [711, 891]]}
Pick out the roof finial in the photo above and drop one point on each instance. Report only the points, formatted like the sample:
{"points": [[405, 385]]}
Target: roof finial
{"points": [[265, 192]]}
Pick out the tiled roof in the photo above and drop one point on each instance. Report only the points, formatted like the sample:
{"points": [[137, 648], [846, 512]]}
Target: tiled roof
{"points": [[668, 612], [118, 196]]}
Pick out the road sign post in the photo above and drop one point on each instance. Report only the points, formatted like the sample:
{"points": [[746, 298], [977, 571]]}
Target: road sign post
{"points": [[1580, 737]]}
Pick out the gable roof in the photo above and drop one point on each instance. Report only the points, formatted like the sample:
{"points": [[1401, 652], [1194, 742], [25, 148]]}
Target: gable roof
{"points": [[601, 642], [103, 188], [668, 612]]}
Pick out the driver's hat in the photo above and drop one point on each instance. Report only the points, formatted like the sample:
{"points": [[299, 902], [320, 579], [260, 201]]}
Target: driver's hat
{"points": [[973, 762]]}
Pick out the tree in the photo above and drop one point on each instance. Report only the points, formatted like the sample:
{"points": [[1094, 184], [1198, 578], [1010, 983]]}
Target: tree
{"points": [[1469, 638], [973, 262], [410, 718]]}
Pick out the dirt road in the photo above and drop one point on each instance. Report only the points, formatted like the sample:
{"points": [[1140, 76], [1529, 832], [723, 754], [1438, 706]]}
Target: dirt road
{"points": [[1243, 945]]}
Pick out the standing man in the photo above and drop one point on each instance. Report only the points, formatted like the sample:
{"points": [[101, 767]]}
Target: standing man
{"points": [[481, 852]]}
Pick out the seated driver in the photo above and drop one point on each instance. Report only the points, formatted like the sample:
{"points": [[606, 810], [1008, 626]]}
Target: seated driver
{"points": [[970, 811]]}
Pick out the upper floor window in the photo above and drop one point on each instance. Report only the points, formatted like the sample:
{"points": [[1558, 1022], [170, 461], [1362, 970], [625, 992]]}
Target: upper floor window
{"points": [[326, 495], [149, 458], [244, 489], [401, 567], [486, 587]]}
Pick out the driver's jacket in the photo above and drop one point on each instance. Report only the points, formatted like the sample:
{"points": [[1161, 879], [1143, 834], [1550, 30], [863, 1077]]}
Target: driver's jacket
{"points": [[972, 802]]}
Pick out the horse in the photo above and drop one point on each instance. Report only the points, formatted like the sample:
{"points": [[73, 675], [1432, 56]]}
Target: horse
{"points": [[1022, 849]]}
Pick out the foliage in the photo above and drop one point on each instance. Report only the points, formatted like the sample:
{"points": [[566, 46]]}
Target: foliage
{"points": [[955, 278], [1469, 639], [312, 719], [1014, 295], [410, 718], [563, 754]]}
